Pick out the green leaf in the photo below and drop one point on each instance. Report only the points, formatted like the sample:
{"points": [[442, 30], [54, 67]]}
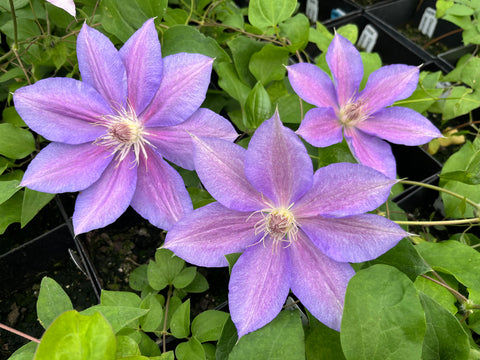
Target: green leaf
{"points": [[180, 322], [437, 292], [198, 285], [322, 343], [138, 279], [459, 10], [173, 305], [290, 110], [15, 143], [209, 350], [349, 31], [74, 336], [227, 340], [382, 317], [184, 38], [471, 73], [470, 176], [335, 153], [11, 211], [404, 257], [242, 49], [296, 30], [119, 298], [118, 316], [283, 338], [164, 269], [9, 184], [52, 301], [258, 107], [232, 259], [126, 346], [371, 62], [459, 101], [459, 162], [320, 36], [33, 202], [265, 13], [123, 17], [26, 352], [11, 74], [269, 63], [208, 325], [229, 81], [445, 338], [147, 346], [185, 277], [154, 318], [199, 197], [190, 350]]}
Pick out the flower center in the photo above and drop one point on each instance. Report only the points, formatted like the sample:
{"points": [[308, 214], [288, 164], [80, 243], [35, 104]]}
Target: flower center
{"points": [[352, 113], [279, 224], [124, 133]]}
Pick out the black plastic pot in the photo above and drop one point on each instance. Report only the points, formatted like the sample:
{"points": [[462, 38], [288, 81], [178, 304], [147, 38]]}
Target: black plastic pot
{"points": [[22, 271], [414, 163], [406, 16], [391, 46]]}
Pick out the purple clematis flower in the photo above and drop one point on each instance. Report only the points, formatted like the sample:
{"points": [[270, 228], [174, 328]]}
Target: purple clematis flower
{"points": [[110, 131], [67, 5], [297, 229], [363, 115]]}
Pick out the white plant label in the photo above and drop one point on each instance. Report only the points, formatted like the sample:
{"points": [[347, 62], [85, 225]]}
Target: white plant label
{"points": [[368, 38], [312, 10], [428, 23]]}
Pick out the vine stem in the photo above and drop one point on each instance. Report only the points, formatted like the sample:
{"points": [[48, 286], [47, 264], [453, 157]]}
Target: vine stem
{"points": [[440, 189], [164, 330], [454, 292], [16, 332]]}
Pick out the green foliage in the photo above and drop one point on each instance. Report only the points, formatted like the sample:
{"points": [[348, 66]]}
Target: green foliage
{"points": [[383, 316]]}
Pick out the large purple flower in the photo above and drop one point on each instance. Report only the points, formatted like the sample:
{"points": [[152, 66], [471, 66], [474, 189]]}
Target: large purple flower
{"points": [[297, 229], [110, 131], [363, 115]]}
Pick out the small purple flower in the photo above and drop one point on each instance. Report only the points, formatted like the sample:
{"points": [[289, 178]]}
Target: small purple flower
{"points": [[363, 115], [297, 229], [110, 131]]}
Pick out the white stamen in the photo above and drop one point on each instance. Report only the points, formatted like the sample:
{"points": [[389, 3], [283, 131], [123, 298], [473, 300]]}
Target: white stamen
{"points": [[124, 133]]}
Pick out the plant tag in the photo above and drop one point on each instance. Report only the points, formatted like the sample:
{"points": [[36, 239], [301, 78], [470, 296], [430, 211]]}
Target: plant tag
{"points": [[428, 23], [312, 10], [335, 13], [368, 38]]}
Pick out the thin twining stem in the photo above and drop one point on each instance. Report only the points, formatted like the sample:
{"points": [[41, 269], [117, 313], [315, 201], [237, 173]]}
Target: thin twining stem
{"points": [[438, 188], [460, 297], [16, 332]]}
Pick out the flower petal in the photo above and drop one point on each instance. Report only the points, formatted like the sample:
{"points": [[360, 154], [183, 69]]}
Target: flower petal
{"points": [[312, 84], [161, 196], [354, 238], [64, 168], [175, 142], [400, 125], [101, 66], [183, 88], [142, 57], [62, 109], [108, 198], [371, 151], [259, 285], [345, 62], [67, 5], [318, 281], [277, 163], [220, 165], [344, 189], [321, 127], [387, 85], [207, 234]]}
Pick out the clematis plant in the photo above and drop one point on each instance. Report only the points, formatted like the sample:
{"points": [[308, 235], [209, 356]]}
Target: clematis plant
{"points": [[364, 116], [110, 131], [67, 5], [297, 229]]}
